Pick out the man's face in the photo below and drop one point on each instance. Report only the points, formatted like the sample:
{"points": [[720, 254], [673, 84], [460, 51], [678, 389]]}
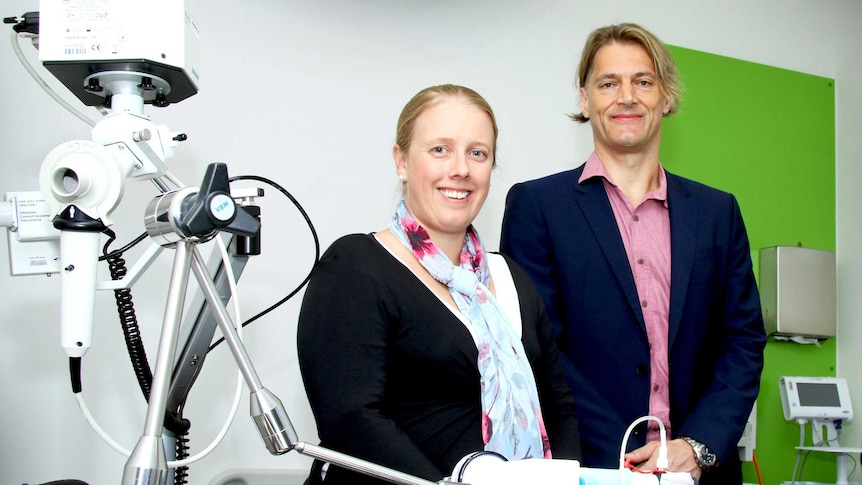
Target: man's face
{"points": [[623, 100]]}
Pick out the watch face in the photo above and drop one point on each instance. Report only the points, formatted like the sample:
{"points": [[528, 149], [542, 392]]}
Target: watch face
{"points": [[707, 457]]}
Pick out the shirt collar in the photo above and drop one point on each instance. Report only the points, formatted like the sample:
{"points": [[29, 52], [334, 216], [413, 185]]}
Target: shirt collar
{"points": [[594, 168]]}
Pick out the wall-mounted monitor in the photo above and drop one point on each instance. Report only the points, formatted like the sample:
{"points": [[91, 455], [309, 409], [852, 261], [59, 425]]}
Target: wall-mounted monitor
{"points": [[815, 398]]}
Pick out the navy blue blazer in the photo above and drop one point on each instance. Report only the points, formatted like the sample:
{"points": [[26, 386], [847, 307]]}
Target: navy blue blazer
{"points": [[565, 236]]}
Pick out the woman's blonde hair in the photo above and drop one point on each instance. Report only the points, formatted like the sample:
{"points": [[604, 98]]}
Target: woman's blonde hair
{"points": [[429, 97]]}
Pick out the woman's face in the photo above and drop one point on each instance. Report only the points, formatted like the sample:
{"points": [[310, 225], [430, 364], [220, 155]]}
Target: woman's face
{"points": [[447, 167]]}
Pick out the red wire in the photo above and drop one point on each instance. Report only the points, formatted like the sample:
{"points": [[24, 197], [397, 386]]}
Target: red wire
{"points": [[628, 464], [756, 467]]}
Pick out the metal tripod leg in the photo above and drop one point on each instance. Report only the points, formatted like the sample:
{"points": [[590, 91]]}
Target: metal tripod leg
{"points": [[147, 465], [267, 410]]}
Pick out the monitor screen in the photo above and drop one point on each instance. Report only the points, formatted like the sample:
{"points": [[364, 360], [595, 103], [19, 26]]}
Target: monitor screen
{"points": [[815, 398], [818, 394]]}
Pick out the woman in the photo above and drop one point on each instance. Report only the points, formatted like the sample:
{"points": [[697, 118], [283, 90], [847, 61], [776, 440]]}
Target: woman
{"points": [[410, 339]]}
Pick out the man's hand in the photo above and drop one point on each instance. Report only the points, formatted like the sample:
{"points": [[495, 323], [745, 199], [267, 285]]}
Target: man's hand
{"points": [[680, 456]]}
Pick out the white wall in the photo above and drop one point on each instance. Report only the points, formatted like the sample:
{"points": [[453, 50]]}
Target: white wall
{"points": [[848, 172], [307, 93]]}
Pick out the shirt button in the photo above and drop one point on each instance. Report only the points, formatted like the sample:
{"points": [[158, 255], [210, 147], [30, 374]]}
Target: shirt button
{"points": [[640, 260], [655, 388], [644, 303], [636, 218]]}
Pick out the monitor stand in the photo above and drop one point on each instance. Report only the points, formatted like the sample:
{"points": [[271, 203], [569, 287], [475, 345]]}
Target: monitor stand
{"points": [[828, 445]]}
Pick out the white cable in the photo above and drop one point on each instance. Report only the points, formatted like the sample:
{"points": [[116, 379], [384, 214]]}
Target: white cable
{"points": [[218, 439], [801, 423], [817, 434], [98, 429], [661, 463], [41, 82], [238, 393], [171, 464]]}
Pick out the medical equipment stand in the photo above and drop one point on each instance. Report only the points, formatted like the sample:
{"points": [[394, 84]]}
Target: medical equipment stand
{"points": [[182, 219], [841, 452]]}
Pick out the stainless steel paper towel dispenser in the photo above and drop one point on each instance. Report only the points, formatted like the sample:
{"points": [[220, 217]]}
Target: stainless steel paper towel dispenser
{"points": [[797, 291]]}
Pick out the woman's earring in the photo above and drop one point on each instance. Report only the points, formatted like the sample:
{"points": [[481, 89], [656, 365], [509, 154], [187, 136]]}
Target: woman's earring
{"points": [[403, 178]]}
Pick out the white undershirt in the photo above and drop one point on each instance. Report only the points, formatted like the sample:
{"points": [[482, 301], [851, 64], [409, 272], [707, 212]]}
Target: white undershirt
{"points": [[504, 286]]}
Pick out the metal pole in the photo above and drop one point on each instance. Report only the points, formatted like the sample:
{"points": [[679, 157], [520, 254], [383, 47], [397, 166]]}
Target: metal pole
{"points": [[147, 464]]}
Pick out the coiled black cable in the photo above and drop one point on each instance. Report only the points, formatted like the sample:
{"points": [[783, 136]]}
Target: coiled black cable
{"points": [[181, 450], [128, 319], [137, 352]]}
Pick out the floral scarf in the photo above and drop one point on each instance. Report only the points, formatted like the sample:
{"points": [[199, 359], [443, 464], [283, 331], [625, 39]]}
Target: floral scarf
{"points": [[512, 422]]}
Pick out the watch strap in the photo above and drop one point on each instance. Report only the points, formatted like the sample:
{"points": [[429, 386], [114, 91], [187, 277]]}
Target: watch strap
{"points": [[704, 456]]}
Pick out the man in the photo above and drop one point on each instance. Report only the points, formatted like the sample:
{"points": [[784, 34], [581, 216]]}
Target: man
{"points": [[646, 276]]}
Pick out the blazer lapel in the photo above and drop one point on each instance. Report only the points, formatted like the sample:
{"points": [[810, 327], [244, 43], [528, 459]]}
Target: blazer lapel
{"points": [[593, 201], [683, 235]]}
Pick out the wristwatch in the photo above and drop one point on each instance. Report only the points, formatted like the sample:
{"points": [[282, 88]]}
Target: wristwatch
{"points": [[705, 457]]}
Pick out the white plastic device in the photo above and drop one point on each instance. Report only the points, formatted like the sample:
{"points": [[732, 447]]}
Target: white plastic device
{"points": [[34, 244], [489, 468], [486, 468], [108, 38], [815, 398]]}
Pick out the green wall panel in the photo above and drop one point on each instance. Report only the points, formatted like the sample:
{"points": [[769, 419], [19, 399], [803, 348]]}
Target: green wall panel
{"points": [[767, 135]]}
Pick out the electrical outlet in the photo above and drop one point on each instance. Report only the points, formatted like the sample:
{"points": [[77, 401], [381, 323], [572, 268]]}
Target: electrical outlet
{"points": [[747, 442]]}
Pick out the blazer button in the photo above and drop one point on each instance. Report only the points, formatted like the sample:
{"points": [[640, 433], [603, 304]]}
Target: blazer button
{"points": [[641, 370]]}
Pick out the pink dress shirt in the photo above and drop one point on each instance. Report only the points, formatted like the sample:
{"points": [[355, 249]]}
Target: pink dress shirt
{"points": [[645, 232]]}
